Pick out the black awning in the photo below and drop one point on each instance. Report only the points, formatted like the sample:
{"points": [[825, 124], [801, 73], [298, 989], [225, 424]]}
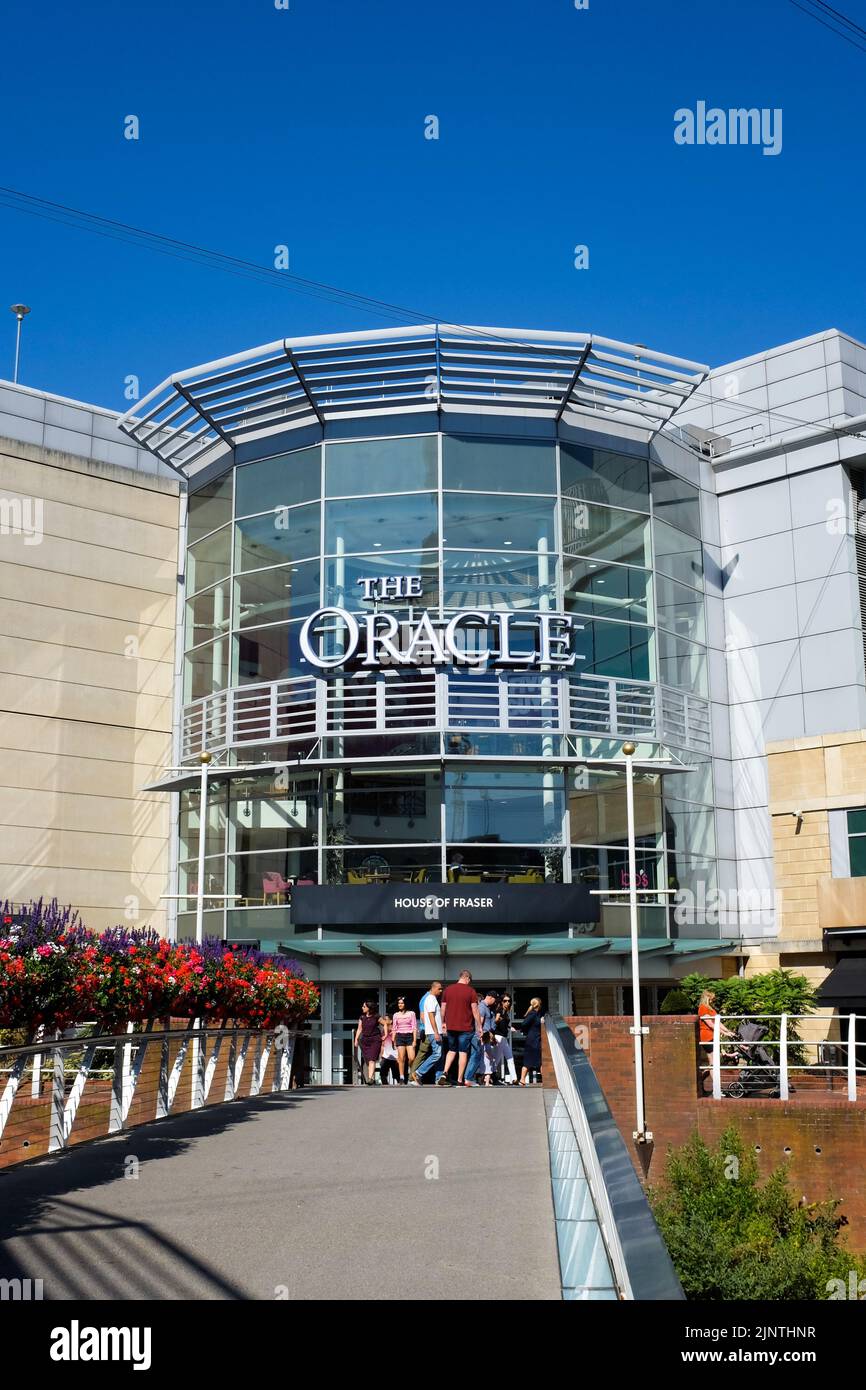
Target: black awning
{"points": [[845, 986]]}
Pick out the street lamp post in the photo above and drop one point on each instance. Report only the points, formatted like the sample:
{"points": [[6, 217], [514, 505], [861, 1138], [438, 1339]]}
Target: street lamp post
{"points": [[641, 1134], [19, 310], [204, 759]]}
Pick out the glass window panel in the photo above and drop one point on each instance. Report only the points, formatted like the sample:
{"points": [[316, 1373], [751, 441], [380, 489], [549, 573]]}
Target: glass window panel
{"points": [[188, 820], [597, 475], [690, 828], [266, 879], [503, 864], [685, 872], [678, 555], [268, 816], [474, 520], [485, 579], [205, 670], [209, 508], [605, 590], [696, 785], [680, 609], [207, 615], [682, 663], [857, 822], [344, 573], [378, 806], [381, 465], [857, 851], [382, 523], [524, 804], [600, 533], [648, 864], [597, 807], [280, 537], [385, 864], [498, 465], [214, 881], [270, 654], [613, 649], [586, 865], [675, 501], [208, 561], [267, 596], [278, 482]]}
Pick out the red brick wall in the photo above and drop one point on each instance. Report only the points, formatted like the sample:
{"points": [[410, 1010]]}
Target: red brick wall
{"points": [[820, 1137], [27, 1130]]}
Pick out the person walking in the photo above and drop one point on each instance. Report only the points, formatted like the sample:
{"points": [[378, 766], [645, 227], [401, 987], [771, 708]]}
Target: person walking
{"points": [[405, 1037], [430, 1049], [502, 1032], [461, 1019], [368, 1036], [388, 1066], [476, 1052], [531, 1028]]}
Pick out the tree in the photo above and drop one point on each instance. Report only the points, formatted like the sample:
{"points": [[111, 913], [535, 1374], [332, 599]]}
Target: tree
{"points": [[731, 1237]]}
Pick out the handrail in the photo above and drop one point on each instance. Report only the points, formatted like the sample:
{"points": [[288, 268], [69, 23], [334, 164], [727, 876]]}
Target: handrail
{"points": [[723, 1050], [639, 1257]]}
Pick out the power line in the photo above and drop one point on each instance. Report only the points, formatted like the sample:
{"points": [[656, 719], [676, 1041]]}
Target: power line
{"points": [[250, 270], [831, 24]]}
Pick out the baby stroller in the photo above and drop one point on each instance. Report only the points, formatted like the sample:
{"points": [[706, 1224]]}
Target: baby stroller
{"points": [[761, 1074]]}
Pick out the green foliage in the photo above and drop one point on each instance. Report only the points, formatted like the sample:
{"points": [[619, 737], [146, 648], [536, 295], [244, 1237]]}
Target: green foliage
{"points": [[773, 992], [676, 1001], [731, 1237]]}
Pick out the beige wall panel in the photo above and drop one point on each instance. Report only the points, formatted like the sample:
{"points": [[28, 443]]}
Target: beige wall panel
{"points": [[79, 667], [90, 484], [145, 815], [842, 902], [92, 561], [51, 848], [85, 702], [130, 533], [88, 595], [89, 776], [84, 887], [796, 774], [83, 631], [141, 749]]}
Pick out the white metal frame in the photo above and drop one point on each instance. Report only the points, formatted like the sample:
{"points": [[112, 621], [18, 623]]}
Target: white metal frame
{"points": [[720, 1045], [300, 381]]}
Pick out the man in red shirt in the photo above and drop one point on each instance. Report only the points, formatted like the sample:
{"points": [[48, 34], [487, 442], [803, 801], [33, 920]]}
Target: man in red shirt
{"points": [[461, 1019]]}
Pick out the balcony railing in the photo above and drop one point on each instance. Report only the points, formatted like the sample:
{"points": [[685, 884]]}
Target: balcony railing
{"points": [[432, 701]]}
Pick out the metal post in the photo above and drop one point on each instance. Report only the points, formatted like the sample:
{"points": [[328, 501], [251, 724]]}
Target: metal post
{"points": [[19, 310], [717, 1056], [852, 1056], [641, 1134], [783, 1058], [202, 836]]}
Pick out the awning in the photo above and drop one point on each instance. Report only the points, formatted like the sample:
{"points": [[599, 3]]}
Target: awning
{"points": [[462, 944], [845, 986]]}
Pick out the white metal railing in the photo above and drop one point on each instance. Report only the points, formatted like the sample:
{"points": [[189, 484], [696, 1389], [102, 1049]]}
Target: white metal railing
{"points": [[740, 1066], [428, 700], [73, 1062]]}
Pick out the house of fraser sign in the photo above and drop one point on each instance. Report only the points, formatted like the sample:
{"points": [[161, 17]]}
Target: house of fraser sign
{"points": [[471, 637]]}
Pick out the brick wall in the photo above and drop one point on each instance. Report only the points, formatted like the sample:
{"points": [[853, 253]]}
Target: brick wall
{"points": [[821, 1138], [26, 1134]]}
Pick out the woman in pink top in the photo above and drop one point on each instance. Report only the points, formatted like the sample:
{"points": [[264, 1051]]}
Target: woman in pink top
{"points": [[404, 1029]]}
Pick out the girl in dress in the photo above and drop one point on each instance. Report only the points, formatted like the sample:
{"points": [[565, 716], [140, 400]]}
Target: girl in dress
{"points": [[368, 1036]]}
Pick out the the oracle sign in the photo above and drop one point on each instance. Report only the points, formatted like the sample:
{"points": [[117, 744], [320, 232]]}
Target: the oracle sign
{"points": [[471, 637]]}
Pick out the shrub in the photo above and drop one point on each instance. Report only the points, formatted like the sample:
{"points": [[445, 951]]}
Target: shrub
{"points": [[732, 1237], [676, 1001]]}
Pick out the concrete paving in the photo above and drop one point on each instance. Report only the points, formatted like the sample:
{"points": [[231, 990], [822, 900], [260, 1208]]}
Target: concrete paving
{"points": [[344, 1193]]}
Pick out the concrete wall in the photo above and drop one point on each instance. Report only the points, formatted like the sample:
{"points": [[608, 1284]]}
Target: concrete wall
{"points": [[88, 581]]}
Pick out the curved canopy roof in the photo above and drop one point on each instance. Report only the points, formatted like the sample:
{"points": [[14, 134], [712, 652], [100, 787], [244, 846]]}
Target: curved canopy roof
{"points": [[201, 411]]}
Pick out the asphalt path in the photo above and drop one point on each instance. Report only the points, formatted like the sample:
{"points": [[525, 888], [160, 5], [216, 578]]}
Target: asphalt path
{"points": [[344, 1193]]}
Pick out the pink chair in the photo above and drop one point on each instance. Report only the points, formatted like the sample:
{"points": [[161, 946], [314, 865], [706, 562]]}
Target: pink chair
{"points": [[274, 885]]}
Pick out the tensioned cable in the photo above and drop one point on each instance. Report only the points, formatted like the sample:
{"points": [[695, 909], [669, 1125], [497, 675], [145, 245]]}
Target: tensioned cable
{"points": [[835, 17], [189, 251]]}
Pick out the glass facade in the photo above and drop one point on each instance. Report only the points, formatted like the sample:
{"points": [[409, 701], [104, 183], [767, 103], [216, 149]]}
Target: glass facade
{"points": [[526, 526]]}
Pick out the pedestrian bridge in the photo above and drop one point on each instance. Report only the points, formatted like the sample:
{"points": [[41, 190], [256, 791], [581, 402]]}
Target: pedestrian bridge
{"points": [[348, 1193]]}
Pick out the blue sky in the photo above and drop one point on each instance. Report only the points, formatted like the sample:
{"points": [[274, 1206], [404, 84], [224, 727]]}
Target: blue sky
{"points": [[305, 127]]}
